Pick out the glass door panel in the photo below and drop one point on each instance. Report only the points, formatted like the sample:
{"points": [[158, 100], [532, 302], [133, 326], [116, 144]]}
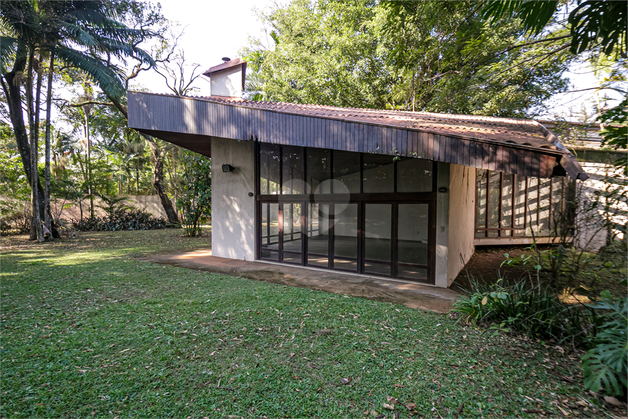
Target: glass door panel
{"points": [[318, 235], [345, 225], [377, 239], [269, 231], [412, 241], [292, 239]]}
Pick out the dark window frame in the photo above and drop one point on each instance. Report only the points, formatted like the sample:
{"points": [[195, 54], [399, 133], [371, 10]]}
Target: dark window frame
{"points": [[361, 199]]}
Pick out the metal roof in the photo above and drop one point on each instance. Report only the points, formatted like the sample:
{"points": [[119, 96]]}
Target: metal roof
{"points": [[224, 66], [511, 145]]}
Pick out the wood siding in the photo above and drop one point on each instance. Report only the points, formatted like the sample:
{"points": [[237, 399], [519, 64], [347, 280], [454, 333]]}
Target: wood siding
{"points": [[196, 120]]}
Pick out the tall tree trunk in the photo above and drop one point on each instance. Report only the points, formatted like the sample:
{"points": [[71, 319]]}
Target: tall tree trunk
{"points": [[40, 199], [158, 169], [47, 220], [88, 165], [36, 230], [158, 176], [14, 99], [137, 176]]}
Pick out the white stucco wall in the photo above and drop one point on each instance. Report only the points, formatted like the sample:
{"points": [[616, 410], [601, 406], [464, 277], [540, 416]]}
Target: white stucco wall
{"points": [[442, 225], [461, 219], [590, 231], [227, 83], [233, 210]]}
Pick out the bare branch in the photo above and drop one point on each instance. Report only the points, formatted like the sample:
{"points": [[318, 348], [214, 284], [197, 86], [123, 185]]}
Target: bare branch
{"points": [[595, 88], [545, 56], [81, 104], [534, 42]]}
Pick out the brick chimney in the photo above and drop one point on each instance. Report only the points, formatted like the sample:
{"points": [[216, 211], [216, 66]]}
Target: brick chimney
{"points": [[227, 79]]}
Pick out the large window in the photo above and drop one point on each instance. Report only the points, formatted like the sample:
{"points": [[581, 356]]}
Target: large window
{"points": [[362, 213], [511, 206], [289, 170]]}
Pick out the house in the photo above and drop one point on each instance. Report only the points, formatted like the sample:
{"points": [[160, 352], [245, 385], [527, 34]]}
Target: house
{"points": [[373, 192]]}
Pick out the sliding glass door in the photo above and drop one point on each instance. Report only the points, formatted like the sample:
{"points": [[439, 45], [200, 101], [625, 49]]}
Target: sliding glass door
{"points": [[362, 213]]}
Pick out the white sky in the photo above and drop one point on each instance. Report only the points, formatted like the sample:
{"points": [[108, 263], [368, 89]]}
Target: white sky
{"points": [[213, 29], [220, 28]]}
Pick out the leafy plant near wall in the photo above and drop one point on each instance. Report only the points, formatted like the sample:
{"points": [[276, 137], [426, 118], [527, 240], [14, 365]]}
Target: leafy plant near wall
{"points": [[196, 192], [113, 205], [605, 364], [535, 310]]}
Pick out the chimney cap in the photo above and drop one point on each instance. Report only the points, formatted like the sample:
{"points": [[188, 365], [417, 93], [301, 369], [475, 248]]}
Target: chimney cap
{"points": [[224, 66]]}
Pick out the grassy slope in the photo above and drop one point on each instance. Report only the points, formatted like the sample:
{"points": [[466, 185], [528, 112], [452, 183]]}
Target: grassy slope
{"points": [[88, 330]]}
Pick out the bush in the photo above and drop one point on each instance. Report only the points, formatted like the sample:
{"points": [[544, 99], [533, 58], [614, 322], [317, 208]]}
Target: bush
{"points": [[125, 219], [534, 310], [15, 218], [605, 364], [196, 193]]}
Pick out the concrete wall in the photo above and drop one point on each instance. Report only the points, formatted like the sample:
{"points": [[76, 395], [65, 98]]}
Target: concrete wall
{"points": [[71, 212], [461, 219], [233, 210], [591, 233], [442, 225], [227, 83]]}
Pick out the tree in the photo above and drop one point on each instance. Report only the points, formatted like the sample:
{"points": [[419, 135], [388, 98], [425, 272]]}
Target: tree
{"points": [[435, 56], [81, 34], [195, 200], [179, 77], [592, 23], [597, 32]]}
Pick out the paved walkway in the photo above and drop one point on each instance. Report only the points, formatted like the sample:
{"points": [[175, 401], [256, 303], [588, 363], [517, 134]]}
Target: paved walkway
{"points": [[394, 291]]}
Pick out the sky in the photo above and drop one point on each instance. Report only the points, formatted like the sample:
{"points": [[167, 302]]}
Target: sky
{"points": [[212, 29], [220, 28]]}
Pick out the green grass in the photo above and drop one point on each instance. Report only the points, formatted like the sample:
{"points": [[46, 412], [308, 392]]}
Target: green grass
{"points": [[89, 330]]}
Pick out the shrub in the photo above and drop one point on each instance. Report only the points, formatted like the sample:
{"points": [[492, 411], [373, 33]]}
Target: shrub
{"points": [[535, 310], [15, 218], [196, 192], [605, 364], [125, 219]]}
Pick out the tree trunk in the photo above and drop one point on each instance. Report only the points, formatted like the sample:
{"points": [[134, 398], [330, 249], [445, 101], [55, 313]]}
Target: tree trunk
{"points": [[14, 100], [37, 232], [158, 175], [47, 221], [158, 169], [88, 164]]}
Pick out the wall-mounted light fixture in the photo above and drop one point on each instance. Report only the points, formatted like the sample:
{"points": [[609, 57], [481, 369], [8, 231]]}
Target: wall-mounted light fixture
{"points": [[227, 168]]}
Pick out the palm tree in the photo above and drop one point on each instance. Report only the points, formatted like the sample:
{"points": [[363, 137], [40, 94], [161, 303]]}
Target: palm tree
{"points": [[80, 34]]}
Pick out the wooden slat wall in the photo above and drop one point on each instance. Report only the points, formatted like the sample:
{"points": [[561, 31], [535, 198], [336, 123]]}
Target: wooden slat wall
{"points": [[190, 116]]}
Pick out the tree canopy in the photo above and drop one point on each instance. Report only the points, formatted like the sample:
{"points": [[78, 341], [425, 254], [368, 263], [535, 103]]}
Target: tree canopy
{"points": [[435, 56]]}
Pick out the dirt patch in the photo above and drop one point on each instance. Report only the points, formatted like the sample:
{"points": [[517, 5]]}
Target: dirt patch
{"points": [[485, 266]]}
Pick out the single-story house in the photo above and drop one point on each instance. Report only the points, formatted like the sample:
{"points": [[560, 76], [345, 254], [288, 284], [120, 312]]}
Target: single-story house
{"points": [[405, 195]]}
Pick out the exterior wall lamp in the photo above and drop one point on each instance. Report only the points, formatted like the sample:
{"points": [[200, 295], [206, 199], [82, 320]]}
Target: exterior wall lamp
{"points": [[227, 168]]}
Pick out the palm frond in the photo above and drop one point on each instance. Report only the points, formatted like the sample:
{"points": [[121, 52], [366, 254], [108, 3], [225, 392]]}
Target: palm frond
{"points": [[126, 50], [8, 51], [79, 35], [107, 76]]}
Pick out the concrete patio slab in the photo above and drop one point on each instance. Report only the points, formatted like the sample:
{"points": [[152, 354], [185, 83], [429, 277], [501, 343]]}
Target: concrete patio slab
{"points": [[408, 293]]}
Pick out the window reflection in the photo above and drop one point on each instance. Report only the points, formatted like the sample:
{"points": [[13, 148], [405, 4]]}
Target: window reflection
{"points": [[378, 174], [319, 170], [347, 171], [414, 175], [269, 169], [293, 170]]}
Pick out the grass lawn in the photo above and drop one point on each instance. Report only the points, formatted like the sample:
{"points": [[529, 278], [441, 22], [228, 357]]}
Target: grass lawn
{"points": [[90, 331]]}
